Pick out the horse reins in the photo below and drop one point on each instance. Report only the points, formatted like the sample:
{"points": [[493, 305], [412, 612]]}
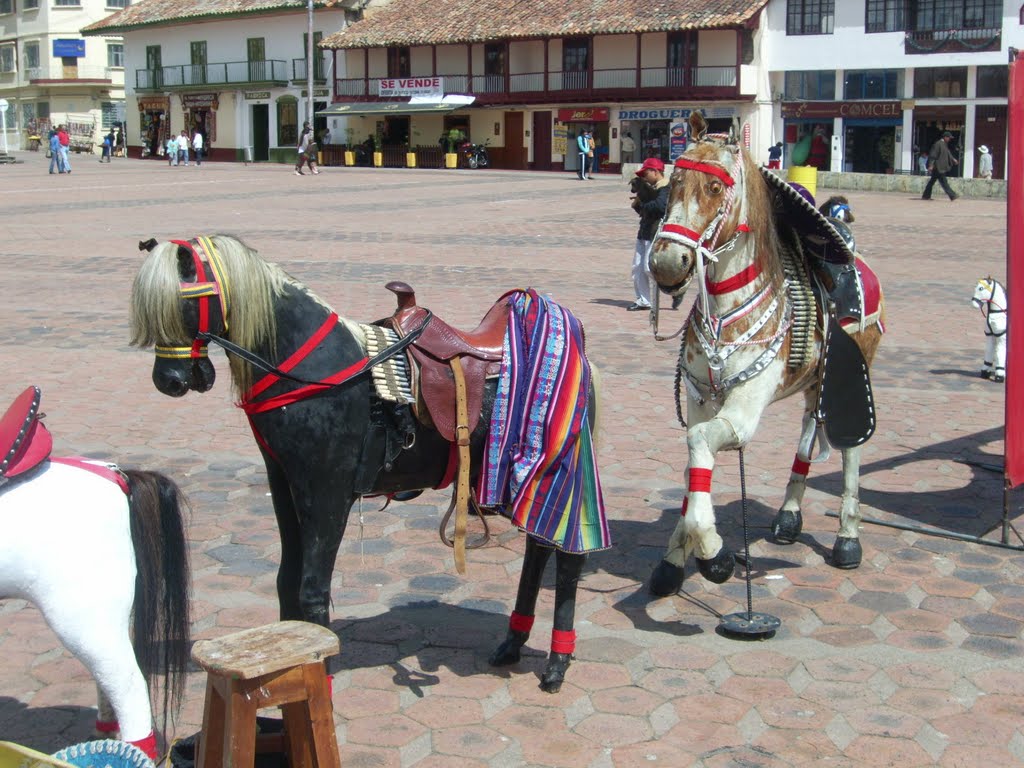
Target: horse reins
{"points": [[202, 290]]}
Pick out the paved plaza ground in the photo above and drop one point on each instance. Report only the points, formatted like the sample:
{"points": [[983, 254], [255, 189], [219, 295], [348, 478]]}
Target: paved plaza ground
{"points": [[914, 659]]}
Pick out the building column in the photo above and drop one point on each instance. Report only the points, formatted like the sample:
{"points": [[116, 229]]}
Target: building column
{"points": [[908, 159], [968, 159]]}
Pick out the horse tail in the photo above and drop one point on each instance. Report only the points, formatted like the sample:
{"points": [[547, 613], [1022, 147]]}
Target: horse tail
{"points": [[160, 621]]}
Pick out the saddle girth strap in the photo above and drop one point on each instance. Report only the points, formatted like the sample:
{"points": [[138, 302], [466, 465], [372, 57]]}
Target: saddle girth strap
{"points": [[462, 484]]}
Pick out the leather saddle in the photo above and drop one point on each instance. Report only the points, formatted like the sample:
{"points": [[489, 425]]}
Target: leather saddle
{"points": [[25, 442], [434, 386]]}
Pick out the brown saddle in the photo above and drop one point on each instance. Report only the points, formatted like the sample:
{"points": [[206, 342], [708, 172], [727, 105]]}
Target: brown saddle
{"points": [[25, 442], [478, 351]]}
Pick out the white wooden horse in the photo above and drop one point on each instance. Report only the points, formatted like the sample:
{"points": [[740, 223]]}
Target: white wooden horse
{"points": [[107, 566], [990, 298], [756, 335]]}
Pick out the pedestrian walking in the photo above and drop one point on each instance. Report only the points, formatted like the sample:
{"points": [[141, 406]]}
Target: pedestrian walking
{"points": [[940, 162], [197, 146], [183, 147], [55, 161], [64, 139], [984, 163], [172, 150], [650, 202]]}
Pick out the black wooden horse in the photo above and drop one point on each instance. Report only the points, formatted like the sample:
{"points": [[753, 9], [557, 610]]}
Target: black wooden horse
{"points": [[326, 432]]}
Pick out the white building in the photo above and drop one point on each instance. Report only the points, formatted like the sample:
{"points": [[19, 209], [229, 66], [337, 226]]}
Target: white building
{"points": [[883, 77], [48, 71], [234, 70]]}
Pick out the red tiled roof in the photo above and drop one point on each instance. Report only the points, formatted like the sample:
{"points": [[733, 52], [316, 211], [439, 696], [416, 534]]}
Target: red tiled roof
{"points": [[152, 12], [439, 22]]}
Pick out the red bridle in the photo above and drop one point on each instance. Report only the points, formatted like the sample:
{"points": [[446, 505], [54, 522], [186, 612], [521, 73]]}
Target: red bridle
{"points": [[201, 290]]}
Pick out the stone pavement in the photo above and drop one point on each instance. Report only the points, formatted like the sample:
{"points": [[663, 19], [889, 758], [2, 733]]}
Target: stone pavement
{"points": [[912, 660]]}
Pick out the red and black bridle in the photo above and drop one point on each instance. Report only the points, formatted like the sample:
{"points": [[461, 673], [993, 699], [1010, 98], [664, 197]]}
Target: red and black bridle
{"points": [[202, 290]]}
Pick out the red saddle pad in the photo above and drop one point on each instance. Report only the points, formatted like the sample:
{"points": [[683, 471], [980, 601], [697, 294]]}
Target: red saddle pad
{"points": [[24, 440]]}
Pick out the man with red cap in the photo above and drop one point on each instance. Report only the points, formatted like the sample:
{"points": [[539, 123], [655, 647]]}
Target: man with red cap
{"points": [[649, 201]]}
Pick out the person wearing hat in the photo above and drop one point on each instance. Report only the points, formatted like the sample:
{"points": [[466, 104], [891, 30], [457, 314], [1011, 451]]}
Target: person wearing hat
{"points": [[984, 163], [649, 201], [940, 162]]}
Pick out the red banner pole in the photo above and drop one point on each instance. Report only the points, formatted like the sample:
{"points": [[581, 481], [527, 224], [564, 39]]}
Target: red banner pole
{"points": [[1014, 427]]}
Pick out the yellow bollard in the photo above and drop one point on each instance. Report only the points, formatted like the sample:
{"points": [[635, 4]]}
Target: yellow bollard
{"points": [[410, 159]]}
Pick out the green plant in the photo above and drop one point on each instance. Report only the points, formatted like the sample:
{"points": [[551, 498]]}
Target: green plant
{"points": [[454, 138]]}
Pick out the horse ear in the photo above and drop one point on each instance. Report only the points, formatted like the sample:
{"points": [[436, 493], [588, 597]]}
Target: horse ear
{"points": [[148, 245], [698, 126]]}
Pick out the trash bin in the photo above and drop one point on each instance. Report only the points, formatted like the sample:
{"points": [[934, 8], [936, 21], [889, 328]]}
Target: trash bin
{"points": [[805, 175], [248, 154]]}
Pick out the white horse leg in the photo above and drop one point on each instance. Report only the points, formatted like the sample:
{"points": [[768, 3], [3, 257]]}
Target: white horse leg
{"points": [[788, 523], [846, 552], [1000, 358], [990, 355]]}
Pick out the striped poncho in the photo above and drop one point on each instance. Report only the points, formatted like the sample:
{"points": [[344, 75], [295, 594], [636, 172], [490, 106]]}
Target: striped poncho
{"points": [[540, 466]]}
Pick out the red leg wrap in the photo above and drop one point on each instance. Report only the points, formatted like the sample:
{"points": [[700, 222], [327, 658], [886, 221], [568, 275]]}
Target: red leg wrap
{"points": [[801, 467], [686, 501], [700, 480], [107, 726], [147, 745], [562, 641], [519, 623]]}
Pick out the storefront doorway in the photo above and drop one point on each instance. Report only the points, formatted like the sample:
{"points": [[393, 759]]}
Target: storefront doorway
{"points": [[869, 147], [260, 132]]}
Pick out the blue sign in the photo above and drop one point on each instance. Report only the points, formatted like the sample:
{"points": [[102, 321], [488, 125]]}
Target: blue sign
{"points": [[677, 140], [69, 48]]}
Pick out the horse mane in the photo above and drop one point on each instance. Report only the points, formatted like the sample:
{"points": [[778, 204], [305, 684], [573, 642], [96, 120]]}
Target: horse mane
{"points": [[761, 220], [255, 285]]}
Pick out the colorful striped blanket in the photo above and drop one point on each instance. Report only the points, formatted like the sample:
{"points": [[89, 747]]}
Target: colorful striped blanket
{"points": [[539, 460]]}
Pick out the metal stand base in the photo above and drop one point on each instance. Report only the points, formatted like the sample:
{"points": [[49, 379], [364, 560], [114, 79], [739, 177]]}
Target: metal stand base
{"points": [[749, 624]]}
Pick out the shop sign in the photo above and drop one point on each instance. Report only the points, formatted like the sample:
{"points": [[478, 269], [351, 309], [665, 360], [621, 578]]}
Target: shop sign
{"points": [[654, 114], [72, 48], [410, 86], [831, 109], [316, 92], [560, 140], [199, 100], [585, 115], [677, 137], [153, 105], [251, 95]]}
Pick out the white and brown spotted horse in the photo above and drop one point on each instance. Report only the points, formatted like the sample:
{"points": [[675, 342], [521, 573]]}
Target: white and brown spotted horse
{"points": [[758, 333]]}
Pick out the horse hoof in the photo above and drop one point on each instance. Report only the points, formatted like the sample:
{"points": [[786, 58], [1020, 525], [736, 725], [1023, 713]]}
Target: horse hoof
{"points": [[986, 374], [509, 652], [786, 526], [554, 675], [666, 579], [846, 552], [719, 568]]}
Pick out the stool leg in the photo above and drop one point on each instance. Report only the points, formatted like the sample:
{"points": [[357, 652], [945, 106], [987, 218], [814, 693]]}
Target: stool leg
{"points": [[298, 736], [211, 740], [321, 716], [242, 704]]}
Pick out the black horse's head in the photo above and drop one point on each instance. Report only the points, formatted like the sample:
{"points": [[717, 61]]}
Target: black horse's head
{"points": [[177, 299]]}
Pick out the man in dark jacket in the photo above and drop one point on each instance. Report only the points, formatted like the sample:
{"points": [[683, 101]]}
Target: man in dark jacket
{"points": [[940, 162], [650, 201]]}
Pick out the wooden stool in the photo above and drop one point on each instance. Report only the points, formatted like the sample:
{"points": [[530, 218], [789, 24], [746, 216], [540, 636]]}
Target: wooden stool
{"points": [[281, 665]]}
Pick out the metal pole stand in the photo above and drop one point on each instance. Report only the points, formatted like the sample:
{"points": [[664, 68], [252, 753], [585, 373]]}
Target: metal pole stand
{"points": [[749, 624]]}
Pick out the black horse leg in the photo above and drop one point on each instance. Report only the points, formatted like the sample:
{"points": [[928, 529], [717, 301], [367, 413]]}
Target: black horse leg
{"points": [[289, 572], [563, 636], [521, 621]]}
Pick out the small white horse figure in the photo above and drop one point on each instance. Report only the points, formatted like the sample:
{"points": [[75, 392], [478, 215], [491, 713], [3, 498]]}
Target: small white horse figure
{"points": [[990, 298], [102, 554]]}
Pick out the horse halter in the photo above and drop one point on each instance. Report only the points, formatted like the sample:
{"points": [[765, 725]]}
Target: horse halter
{"points": [[201, 290]]}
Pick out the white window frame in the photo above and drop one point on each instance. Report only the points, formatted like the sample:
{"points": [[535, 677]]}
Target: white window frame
{"points": [[120, 55], [30, 45], [8, 59]]}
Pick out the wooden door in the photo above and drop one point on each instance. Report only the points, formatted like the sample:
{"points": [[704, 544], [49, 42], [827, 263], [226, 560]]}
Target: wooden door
{"points": [[542, 141], [515, 146]]}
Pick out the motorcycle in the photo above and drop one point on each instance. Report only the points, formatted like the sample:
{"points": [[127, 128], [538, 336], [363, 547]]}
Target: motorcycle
{"points": [[476, 155]]}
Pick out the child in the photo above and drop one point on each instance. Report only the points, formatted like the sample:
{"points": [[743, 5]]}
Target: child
{"points": [[172, 150]]}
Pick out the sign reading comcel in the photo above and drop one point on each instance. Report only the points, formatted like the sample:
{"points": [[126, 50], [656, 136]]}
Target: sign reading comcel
{"points": [[411, 86]]}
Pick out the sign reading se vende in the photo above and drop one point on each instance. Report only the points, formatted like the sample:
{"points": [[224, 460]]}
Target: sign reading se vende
{"points": [[411, 86]]}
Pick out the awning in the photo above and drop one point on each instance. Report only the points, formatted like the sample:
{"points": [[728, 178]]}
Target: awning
{"points": [[415, 105]]}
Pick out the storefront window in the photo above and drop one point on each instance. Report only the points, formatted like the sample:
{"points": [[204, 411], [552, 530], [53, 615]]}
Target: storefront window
{"points": [[287, 121], [872, 84], [817, 85], [939, 15], [993, 81], [940, 82]]}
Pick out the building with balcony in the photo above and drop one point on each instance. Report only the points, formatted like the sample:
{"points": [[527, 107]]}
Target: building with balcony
{"points": [[880, 80], [540, 72], [234, 70], [48, 71]]}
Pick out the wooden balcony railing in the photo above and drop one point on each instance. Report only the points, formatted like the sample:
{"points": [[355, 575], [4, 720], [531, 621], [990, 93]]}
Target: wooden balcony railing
{"points": [[953, 41], [559, 85]]}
